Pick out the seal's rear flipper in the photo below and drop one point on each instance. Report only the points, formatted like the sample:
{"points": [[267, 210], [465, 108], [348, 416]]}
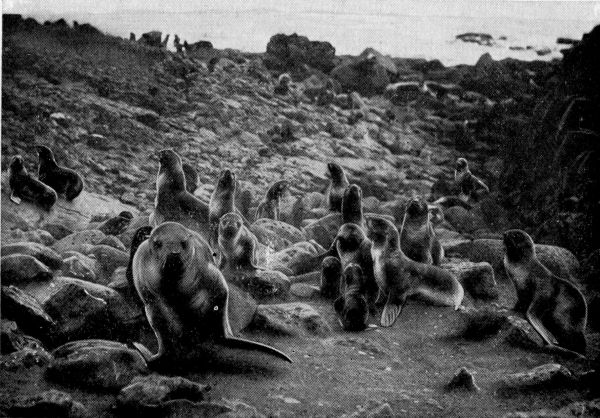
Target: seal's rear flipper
{"points": [[15, 199], [235, 342], [389, 314], [148, 356]]}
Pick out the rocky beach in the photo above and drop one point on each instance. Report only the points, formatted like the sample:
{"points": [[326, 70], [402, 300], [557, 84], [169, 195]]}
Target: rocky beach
{"points": [[105, 105]]}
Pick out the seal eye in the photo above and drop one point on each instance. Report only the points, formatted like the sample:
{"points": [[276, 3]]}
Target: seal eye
{"points": [[184, 244], [216, 308], [157, 245]]}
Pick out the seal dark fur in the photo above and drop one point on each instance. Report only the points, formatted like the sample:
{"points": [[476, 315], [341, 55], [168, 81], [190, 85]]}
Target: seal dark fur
{"points": [[63, 180], [337, 186], [25, 187]]}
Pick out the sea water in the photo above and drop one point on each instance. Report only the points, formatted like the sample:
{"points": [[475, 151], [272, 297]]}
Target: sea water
{"points": [[401, 28]]}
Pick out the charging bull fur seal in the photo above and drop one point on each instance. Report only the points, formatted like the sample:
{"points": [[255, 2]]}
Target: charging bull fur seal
{"points": [[24, 186], [63, 180], [184, 294], [173, 202], [337, 187], [554, 307], [269, 207], [469, 186], [417, 237], [352, 307], [400, 278]]}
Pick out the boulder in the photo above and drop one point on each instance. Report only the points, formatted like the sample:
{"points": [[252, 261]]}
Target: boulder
{"points": [[294, 319], [305, 290], [155, 393], [572, 410], [25, 310], [463, 380], [153, 38], [298, 259], [79, 266], [546, 376], [463, 220], [363, 75], [558, 260], [96, 364], [18, 235], [262, 284], [75, 241], [25, 358], [12, 338], [289, 52], [51, 403], [476, 278], [44, 254], [20, 269]]}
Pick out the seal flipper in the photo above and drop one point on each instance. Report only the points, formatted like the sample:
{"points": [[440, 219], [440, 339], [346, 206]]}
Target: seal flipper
{"points": [[15, 199], [244, 344], [392, 309]]}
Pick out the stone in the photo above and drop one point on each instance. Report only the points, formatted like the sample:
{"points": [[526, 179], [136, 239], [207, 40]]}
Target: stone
{"points": [[476, 278], [382, 411], [74, 241], [363, 75], [79, 266], [51, 403], [290, 52], [572, 410], [305, 290], [25, 358], [96, 364], [294, 319], [463, 380], [108, 260], [17, 235], [114, 242], [77, 313], [546, 376], [44, 254], [58, 231], [25, 310], [128, 197], [152, 392], [463, 220], [297, 259], [20, 269], [263, 284], [13, 339]]}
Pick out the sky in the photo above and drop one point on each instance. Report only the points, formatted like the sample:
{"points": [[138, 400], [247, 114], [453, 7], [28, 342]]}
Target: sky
{"points": [[560, 10]]}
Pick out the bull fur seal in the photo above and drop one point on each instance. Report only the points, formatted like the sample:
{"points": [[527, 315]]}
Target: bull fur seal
{"points": [[417, 237], [185, 295], [352, 306], [63, 180], [173, 202], [554, 307], [24, 186], [269, 207], [400, 278], [469, 186], [337, 186]]}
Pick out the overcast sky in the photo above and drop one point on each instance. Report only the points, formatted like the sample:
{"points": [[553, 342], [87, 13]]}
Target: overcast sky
{"points": [[560, 10]]}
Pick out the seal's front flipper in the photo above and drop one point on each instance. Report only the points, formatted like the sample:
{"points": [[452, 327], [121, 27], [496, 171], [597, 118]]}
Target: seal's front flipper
{"points": [[148, 356], [392, 309], [15, 199], [235, 342]]}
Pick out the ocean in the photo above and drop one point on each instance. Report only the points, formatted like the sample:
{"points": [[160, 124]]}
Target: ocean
{"points": [[401, 28]]}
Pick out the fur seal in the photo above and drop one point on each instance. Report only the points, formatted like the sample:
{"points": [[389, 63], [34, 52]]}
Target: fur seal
{"points": [[269, 207], [400, 278], [283, 84], [554, 307], [140, 235], [185, 295], [173, 202], [23, 186], [417, 237], [237, 245], [331, 272], [352, 306], [469, 186], [63, 180], [337, 187]]}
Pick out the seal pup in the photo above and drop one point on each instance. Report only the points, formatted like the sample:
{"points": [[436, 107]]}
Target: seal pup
{"points": [[184, 294], [469, 186], [173, 202], [352, 306], [63, 180], [400, 278], [337, 186], [554, 307], [222, 201], [24, 186], [237, 245], [269, 207], [417, 237]]}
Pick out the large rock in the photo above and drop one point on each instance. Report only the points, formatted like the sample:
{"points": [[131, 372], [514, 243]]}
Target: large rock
{"points": [[79, 266], [364, 75], [263, 284], [12, 339], [463, 220], [25, 310], [44, 254], [288, 52], [12, 236], [463, 380], [298, 259], [546, 376], [96, 364], [558, 260], [154, 392], [51, 403], [295, 319], [77, 240], [25, 358], [476, 278], [573, 410], [20, 269]]}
